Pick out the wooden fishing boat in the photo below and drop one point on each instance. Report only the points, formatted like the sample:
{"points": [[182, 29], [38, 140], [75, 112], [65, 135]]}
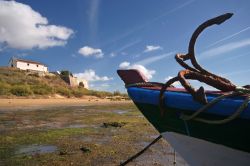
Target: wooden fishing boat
{"points": [[178, 102], [205, 127]]}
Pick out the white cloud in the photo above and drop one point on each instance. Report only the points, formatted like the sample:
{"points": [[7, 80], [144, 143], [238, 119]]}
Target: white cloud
{"points": [[112, 54], [121, 50], [124, 65], [176, 84], [23, 28], [168, 78], [152, 48], [236, 72], [140, 65], [91, 76], [150, 60], [105, 85], [93, 14], [225, 48], [89, 51], [229, 37], [124, 53], [236, 56], [133, 30], [91, 85], [146, 72], [101, 87]]}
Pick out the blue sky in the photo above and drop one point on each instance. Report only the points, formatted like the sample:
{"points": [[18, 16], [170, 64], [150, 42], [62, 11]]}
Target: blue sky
{"points": [[94, 38]]}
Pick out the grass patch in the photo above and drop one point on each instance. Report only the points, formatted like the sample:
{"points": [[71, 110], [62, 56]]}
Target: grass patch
{"points": [[9, 143], [21, 90], [42, 89], [5, 88], [21, 83], [108, 146], [63, 91], [37, 137]]}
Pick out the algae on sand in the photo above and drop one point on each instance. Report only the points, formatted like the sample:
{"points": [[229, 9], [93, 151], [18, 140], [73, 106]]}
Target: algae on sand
{"points": [[69, 129]]}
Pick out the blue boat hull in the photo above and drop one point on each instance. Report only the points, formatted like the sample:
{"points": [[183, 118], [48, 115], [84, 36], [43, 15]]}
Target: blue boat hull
{"points": [[184, 101], [234, 134]]}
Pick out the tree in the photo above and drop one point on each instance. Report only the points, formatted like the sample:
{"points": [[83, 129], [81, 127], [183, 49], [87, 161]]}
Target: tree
{"points": [[66, 73], [81, 84]]}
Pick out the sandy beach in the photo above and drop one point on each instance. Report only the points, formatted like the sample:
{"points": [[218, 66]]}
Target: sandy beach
{"points": [[54, 102]]}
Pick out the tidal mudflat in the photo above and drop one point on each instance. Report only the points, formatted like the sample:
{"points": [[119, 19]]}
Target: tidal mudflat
{"points": [[80, 135]]}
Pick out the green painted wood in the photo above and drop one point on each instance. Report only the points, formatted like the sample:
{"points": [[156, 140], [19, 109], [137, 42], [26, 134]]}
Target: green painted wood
{"points": [[235, 134]]}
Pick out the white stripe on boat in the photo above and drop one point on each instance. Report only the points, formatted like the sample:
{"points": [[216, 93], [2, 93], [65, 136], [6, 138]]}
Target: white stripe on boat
{"points": [[197, 152]]}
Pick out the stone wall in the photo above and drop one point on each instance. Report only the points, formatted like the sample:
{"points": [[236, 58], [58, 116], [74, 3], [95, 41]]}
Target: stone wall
{"points": [[72, 81]]}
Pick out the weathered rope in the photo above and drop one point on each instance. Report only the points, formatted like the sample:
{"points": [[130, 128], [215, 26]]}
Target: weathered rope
{"points": [[242, 90], [200, 74], [228, 119], [144, 84], [141, 152], [237, 113], [205, 107], [197, 73], [186, 128]]}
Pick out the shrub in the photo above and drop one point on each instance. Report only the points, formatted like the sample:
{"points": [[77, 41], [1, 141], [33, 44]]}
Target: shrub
{"points": [[48, 77], [117, 93], [31, 80], [34, 74], [14, 80], [42, 89], [4, 88], [21, 90], [78, 92], [100, 94], [81, 84], [63, 91]]}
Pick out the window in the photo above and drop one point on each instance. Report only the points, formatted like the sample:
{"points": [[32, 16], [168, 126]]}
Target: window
{"points": [[28, 64], [37, 65]]}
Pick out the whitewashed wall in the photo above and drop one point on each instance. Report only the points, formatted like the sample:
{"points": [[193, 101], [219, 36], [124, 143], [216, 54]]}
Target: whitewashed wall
{"points": [[31, 66]]}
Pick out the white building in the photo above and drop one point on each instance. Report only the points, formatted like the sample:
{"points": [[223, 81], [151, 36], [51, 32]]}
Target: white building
{"points": [[27, 65]]}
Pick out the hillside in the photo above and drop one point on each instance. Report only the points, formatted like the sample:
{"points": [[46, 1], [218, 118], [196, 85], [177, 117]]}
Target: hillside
{"points": [[15, 82]]}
